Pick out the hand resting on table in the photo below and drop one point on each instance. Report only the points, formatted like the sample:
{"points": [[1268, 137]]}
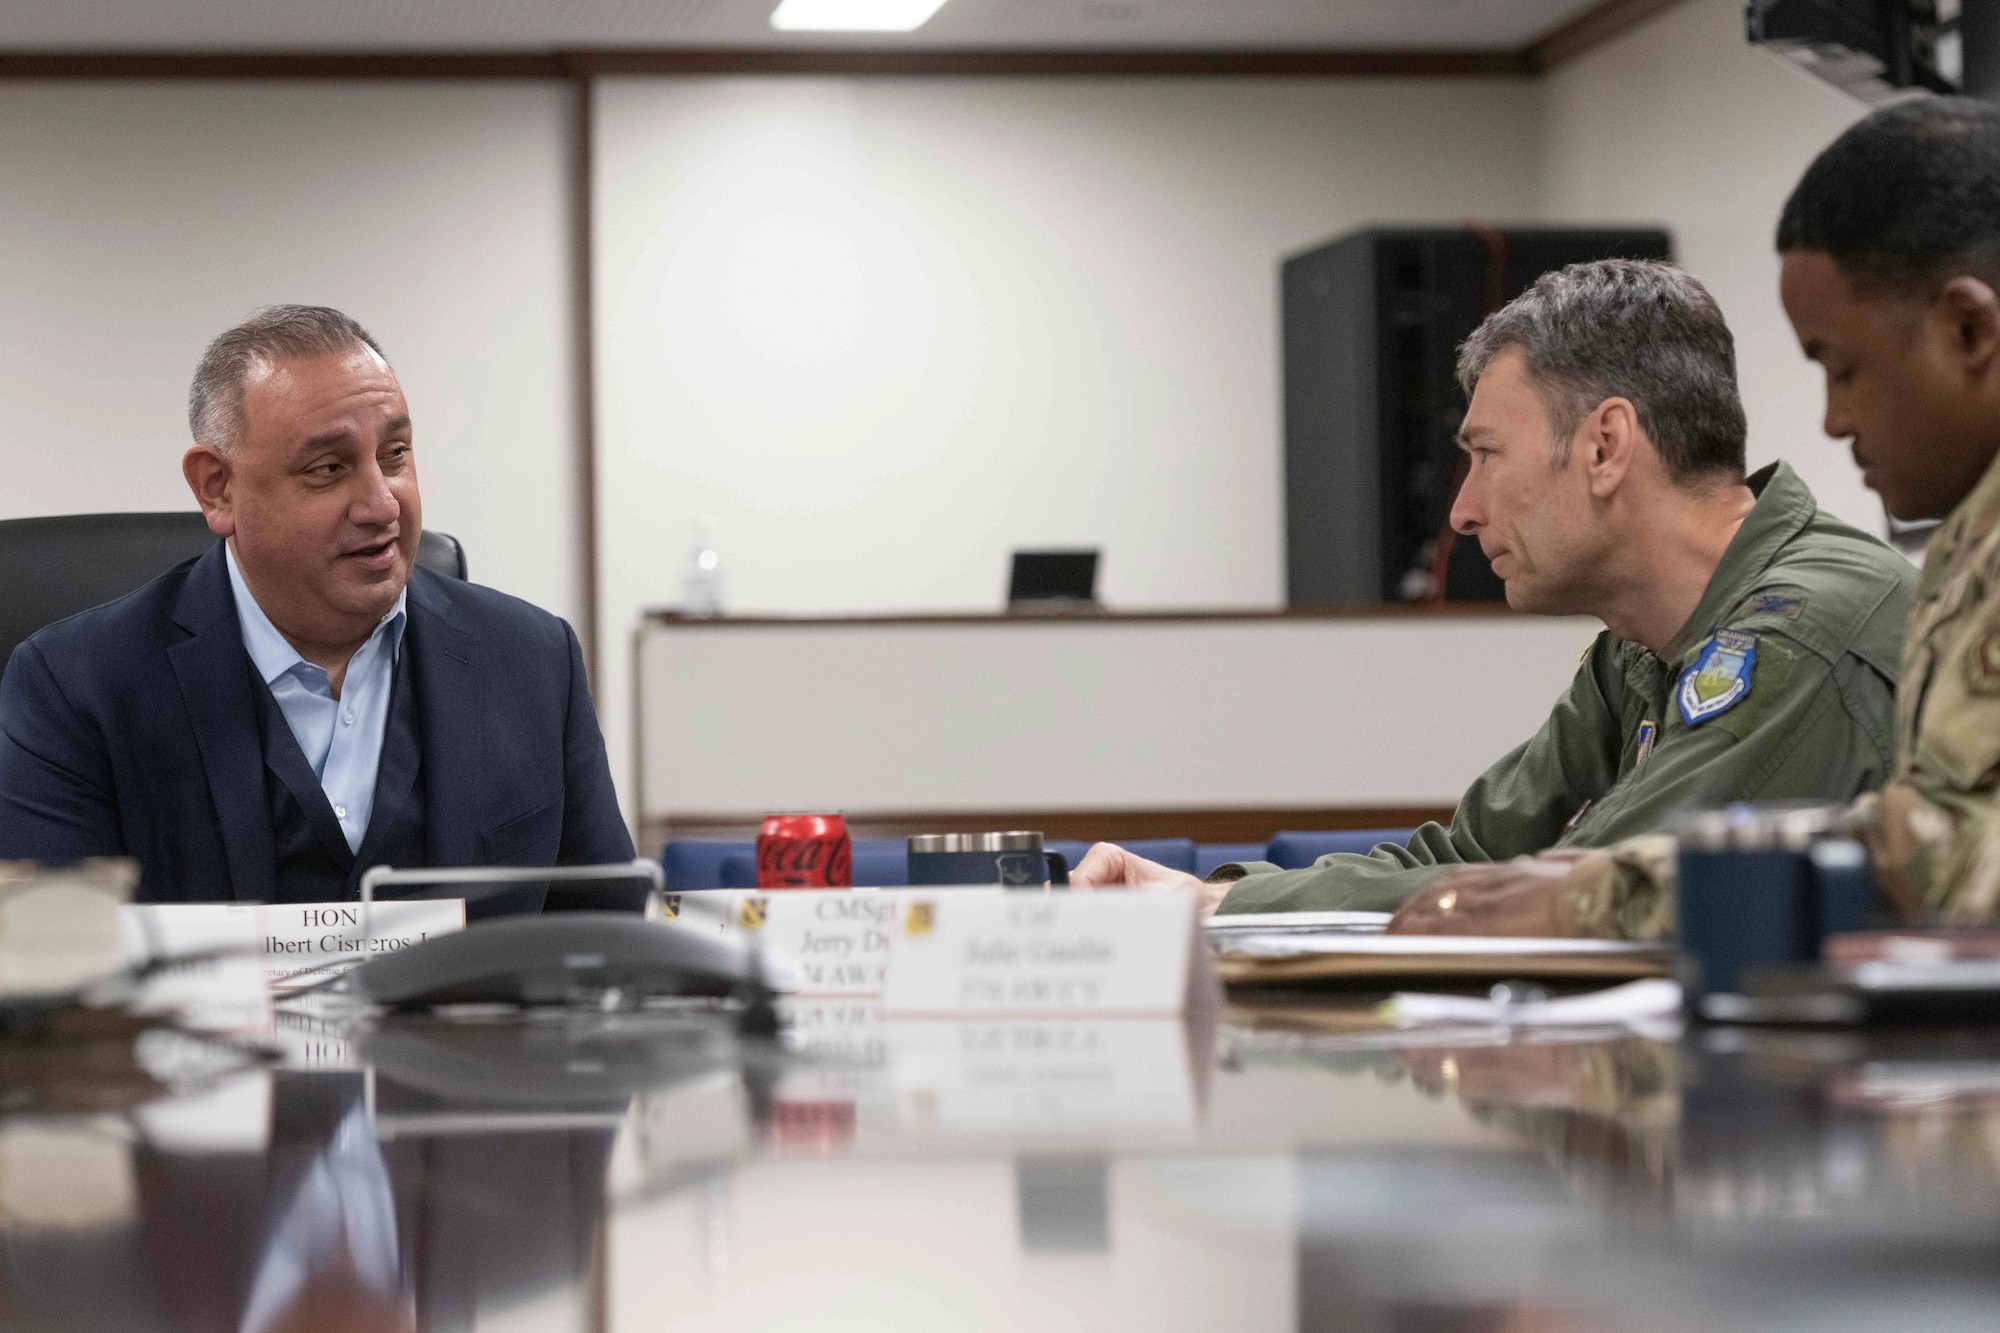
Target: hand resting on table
{"points": [[1108, 866], [1524, 896]]}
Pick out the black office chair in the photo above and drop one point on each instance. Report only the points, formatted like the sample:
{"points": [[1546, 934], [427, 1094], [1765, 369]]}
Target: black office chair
{"points": [[56, 567]]}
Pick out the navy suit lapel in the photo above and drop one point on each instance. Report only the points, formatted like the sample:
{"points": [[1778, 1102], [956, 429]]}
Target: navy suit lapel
{"points": [[443, 658], [397, 803], [284, 758], [213, 671]]}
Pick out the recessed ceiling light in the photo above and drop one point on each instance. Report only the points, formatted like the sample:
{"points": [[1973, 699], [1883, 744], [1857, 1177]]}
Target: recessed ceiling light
{"points": [[853, 15]]}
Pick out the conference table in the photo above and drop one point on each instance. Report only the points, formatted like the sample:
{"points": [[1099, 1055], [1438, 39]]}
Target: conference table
{"points": [[1290, 1167]]}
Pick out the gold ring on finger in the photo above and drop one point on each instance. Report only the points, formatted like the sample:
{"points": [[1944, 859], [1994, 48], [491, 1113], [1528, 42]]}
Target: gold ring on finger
{"points": [[1448, 901]]}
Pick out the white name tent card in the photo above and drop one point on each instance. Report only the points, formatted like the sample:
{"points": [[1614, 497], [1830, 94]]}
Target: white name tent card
{"points": [[948, 951], [299, 943], [1119, 954], [831, 942]]}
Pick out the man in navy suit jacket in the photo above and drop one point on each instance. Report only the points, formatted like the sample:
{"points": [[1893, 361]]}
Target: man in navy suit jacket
{"points": [[265, 722]]}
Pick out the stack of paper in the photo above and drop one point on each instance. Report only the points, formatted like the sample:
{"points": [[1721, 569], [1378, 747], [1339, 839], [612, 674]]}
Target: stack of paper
{"points": [[1278, 957], [59, 926], [1222, 929], [1634, 1003]]}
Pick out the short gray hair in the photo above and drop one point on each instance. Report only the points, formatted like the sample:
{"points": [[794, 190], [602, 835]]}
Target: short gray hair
{"points": [[1626, 328], [275, 333]]}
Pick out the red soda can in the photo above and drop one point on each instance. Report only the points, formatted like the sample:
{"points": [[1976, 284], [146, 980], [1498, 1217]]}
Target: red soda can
{"points": [[804, 852]]}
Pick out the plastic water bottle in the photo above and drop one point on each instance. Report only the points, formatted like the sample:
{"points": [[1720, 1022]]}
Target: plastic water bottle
{"points": [[701, 585]]}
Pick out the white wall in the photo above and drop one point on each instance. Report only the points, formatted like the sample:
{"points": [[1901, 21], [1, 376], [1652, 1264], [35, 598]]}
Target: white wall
{"points": [[1682, 121], [886, 330], [883, 330], [1092, 714], [139, 220]]}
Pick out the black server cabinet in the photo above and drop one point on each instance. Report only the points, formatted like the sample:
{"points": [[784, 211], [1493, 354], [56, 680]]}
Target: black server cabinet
{"points": [[1372, 326]]}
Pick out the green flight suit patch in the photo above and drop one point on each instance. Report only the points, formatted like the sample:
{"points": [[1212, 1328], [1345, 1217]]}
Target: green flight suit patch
{"points": [[1719, 679], [1772, 672]]}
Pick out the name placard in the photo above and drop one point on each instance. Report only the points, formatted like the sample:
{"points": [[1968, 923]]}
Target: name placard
{"points": [[832, 942], [1121, 954], [299, 943], [970, 951]]}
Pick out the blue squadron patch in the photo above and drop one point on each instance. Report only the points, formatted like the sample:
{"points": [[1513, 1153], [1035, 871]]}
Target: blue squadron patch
{"points": [[1719, 678], [1648, 733]]}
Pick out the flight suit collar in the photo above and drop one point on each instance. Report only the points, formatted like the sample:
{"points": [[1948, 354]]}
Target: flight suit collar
{"points": [[1784, 507]]}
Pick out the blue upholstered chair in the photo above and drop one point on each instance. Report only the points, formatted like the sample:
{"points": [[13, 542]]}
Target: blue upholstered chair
{"points": [[696, 863], [881, 863], [1209, 855], [1295, 850]]}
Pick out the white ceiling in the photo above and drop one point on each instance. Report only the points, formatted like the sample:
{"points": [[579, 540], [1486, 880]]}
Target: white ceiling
{"points": [[541, 25]]}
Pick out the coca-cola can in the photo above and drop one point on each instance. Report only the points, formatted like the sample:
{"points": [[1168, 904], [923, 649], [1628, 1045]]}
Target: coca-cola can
{"points": [[804, 852]]}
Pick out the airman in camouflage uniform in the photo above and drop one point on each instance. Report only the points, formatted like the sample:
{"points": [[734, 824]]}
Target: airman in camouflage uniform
{"points": [[1935, 829]]}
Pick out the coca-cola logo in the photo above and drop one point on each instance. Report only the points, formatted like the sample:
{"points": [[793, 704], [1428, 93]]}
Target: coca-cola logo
{"points": [[809, 862]]}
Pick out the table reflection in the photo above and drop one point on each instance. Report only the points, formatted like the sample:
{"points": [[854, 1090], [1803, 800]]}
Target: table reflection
{"points": [[633, 1170], [1735, 1178], [327, 1254]]}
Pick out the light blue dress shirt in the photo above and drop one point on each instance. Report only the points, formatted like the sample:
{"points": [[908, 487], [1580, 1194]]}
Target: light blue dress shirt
{"points": [[341, 738]]}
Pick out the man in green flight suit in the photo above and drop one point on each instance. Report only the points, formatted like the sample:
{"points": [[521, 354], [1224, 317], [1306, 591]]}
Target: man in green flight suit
{"points": [[1752, 642], [1891, 278]]}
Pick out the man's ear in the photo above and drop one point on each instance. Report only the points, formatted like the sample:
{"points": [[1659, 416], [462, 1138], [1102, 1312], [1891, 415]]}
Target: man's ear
{"points": [[1610, 440], [1971, 310], [209, 476]]}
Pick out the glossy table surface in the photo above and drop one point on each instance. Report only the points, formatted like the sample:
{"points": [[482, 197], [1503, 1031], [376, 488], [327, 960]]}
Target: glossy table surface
{"points": [[1276, 1171]]}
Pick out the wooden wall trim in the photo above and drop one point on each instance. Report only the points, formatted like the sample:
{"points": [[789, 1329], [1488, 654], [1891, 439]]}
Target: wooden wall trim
{"points": [[845, 62], [1088, 825], [667, 618], [1589, 30]]}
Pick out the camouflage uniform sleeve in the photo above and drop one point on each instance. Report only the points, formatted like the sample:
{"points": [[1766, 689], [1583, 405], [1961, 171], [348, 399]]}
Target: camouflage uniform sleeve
{"points": [[1934, 832], [1623, 892], [1517, 807]]}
